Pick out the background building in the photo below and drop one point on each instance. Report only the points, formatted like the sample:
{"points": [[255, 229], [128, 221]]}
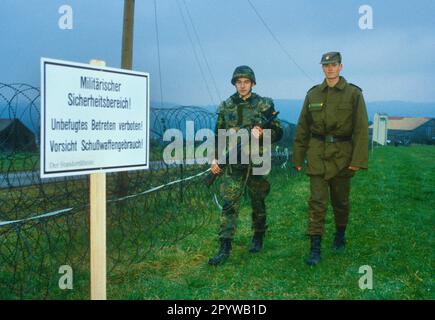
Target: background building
{"points": [[405, 130]]}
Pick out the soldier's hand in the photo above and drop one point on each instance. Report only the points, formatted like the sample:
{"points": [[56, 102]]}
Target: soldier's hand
{"points": [[215, 167], [353, 168], [298, 168], [257, 132]]}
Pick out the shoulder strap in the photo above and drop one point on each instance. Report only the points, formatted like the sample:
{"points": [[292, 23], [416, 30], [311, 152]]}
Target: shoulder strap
{"points": [[312, 87], [354, 85]]}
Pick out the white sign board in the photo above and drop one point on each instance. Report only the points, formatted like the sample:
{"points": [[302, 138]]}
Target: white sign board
{"points": [[93, 119], [380, 129]]}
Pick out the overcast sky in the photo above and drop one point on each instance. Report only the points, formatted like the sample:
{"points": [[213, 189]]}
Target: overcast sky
{"points": [[393, 61]]}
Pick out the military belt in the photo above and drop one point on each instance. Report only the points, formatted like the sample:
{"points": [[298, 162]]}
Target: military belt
{"points": [[330, 138]]}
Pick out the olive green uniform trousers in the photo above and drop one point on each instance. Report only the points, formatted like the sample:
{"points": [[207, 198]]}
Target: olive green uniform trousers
{"points": [[338, 189]]}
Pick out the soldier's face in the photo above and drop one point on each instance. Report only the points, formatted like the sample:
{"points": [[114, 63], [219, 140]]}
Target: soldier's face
{"points": [[332, 70], [244, 86]]}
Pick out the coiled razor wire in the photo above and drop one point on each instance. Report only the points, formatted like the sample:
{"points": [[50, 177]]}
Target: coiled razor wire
{"points": [[44, 223]]}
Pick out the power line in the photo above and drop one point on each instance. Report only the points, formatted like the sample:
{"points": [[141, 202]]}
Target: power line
{"points": [[277, 40], [194, 51], [158, 52], [202, 50]]}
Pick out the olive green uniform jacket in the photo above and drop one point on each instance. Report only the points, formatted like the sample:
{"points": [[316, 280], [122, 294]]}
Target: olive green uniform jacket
{"points": [[337, 111]]}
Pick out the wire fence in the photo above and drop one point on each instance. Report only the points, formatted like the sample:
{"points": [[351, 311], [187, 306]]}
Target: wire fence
{"points": [[44, 223]]}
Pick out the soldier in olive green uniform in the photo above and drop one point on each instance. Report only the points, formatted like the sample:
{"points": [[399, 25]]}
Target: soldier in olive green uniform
{"points": [[332, 133], [243, 109]]}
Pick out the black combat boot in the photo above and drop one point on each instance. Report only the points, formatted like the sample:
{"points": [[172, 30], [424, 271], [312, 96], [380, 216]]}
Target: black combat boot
{"points": [[257, 242], [339, 240], [314, 257], [223, 253]]}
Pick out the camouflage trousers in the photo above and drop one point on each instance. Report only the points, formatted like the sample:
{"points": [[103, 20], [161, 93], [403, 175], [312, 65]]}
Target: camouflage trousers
{"points": [[338, 188], [232, 189]]}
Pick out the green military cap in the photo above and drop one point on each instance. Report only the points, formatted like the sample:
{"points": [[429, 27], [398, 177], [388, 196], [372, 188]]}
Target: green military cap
{"points": [[331, 57]]}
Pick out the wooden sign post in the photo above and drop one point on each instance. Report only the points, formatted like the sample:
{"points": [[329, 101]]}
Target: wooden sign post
{"points": [[97, 199], [98, 235]]}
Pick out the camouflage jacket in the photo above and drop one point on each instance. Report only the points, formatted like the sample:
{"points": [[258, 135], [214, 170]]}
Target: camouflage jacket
{"points": [[337, 111], [236, 113]]}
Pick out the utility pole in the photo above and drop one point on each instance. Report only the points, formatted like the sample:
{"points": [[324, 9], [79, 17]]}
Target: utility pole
{"points": [[127, 35], [126, 63]]}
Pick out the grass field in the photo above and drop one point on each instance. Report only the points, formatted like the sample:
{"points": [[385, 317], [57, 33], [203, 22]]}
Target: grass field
{"points": [[391, 229]]}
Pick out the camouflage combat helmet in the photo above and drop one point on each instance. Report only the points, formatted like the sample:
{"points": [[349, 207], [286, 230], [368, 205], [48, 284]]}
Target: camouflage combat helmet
{"points": [[243, 72]]}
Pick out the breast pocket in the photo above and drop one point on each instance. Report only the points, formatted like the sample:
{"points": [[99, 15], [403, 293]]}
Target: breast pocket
{"points": [[344, 116], [231, 119], [250, 116], [316, 112]]}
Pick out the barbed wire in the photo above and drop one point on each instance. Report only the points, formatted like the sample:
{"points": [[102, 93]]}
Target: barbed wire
{"points": [[44, 223]]}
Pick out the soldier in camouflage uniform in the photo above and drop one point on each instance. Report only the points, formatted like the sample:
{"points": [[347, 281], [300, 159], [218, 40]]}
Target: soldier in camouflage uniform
{"points": [[332, 132], [243, 109]]}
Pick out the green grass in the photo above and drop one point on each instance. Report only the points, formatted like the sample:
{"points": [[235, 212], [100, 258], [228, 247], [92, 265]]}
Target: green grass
{"points": [[391, 229]]}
